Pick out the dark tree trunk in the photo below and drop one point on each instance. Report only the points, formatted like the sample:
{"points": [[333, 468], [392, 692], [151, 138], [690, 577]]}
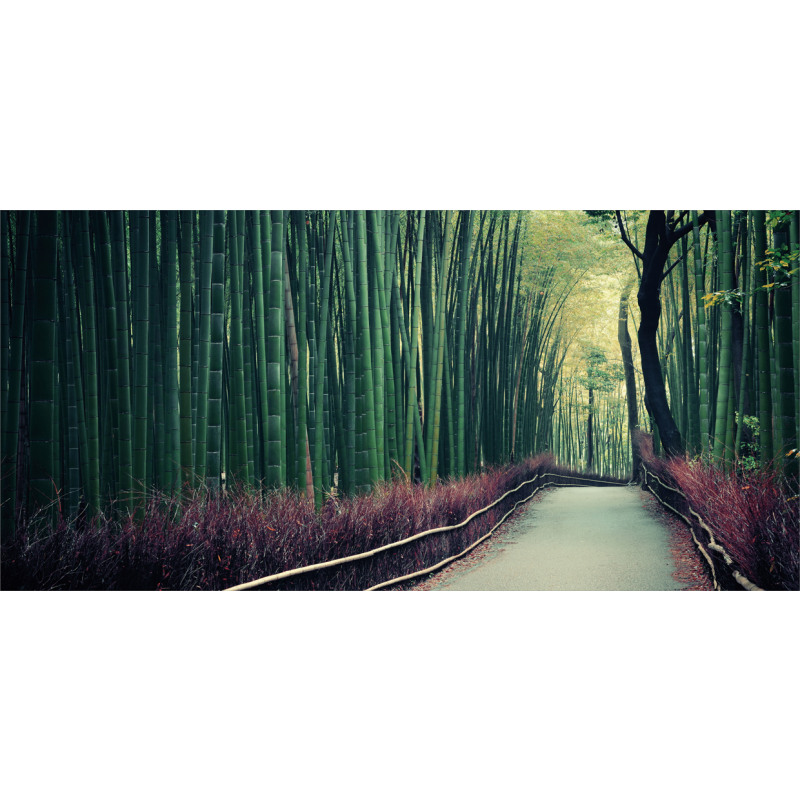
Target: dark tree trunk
{"points": [[662, 232], [656, 251]]}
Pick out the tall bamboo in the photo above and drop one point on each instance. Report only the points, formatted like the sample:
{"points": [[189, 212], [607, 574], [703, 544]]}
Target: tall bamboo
{"points": [[275, 347], [364, 343], [217, 335], [206, 248], [702, 366], [169, 236], [88, 316], [726, 282], [43, 361], [141, 315], [461, 346], [185, 404], [437, 371], [319, 393], [238, 462], [783, 346], [15, 361], [412, 403]]}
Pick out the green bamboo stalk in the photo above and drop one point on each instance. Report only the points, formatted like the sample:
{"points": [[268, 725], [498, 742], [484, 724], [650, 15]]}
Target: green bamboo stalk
{"points": [[5, 308], [302, 449], [794, 237], [109, 370], [364, 344], [348, 476], [75, 353], [287, 471], [294, 467], [726, 282], [746, 365], [276, 346], [123, 354], [67, 372], [185, 345], [334, 429], [226, 458], [169, 271], [410, 369], [702, 368], [206, 237], [375, 272], [395, 323], [257, 282], [217, 336], [312, 277], [383, 283], [427, 299], [391, 347], [250, 382], [156, 467], [42, 490], [319, 394], [88, 315], [461, 345], [692, 401], [196, 312], [238, 462], [12, 417], [783, 350], [437, 372], [412, 404]]}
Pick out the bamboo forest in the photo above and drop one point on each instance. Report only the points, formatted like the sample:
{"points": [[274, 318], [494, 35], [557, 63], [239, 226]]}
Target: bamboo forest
{"points": [[354, 399]]}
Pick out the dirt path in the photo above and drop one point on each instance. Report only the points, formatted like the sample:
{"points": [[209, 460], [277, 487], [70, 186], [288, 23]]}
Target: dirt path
{"points": [[577, 538]]}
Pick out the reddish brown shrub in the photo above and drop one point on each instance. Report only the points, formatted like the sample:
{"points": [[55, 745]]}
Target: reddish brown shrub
{"points": [[213, 542], [753, 514]]}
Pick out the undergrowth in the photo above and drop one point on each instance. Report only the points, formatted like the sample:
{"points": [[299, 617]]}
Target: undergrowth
{"points": [[753, 513], [210, 542]]}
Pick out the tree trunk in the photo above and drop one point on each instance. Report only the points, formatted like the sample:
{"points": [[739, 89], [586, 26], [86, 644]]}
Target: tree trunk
{"points": [[624, 339], [656, 250], [589, 434], [661, 233]]}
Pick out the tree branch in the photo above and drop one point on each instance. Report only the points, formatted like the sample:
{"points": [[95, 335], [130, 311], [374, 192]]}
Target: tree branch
{"points": [[681, 232], [674, 264], [624, 234], [674, 223]]}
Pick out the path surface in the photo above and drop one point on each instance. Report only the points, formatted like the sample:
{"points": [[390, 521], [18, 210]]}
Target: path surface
{"points": [[576, 538]]}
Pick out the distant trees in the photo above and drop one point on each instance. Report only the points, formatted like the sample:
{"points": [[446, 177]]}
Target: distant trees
{"points": [[601, 376]]}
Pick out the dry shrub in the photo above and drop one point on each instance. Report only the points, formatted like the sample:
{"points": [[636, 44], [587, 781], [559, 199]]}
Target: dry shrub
{"points": [[205, 541], [753, 513]]}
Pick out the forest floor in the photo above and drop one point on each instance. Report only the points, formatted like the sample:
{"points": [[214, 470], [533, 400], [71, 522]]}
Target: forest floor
{"points": [[582, 538]]}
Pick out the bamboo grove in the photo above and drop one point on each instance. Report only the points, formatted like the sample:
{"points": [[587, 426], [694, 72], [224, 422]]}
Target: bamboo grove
{"points": [[148, 350], [590, 419], [331, 351], [728, 344], [729, 337]]}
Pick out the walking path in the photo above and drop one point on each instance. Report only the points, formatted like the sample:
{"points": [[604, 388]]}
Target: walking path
{"points": [[593, 538]]}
